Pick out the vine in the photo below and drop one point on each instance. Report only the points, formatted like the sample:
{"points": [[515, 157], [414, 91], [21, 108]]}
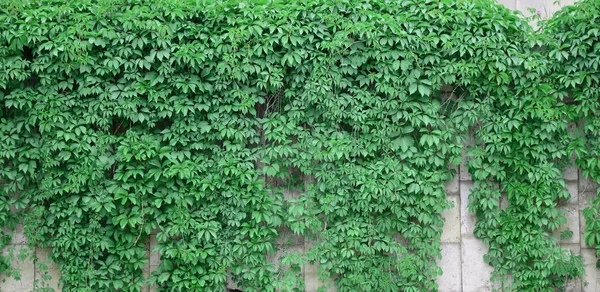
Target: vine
{"points": [[122, 118], [576, 40]]}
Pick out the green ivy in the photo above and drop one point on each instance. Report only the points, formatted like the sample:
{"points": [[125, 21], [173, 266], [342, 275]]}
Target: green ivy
{"points": [[574, 50], [192, 118]]}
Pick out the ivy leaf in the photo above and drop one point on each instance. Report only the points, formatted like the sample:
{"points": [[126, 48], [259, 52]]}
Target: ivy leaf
{"points": [[412, 88], [404, 143], [424, 90]]}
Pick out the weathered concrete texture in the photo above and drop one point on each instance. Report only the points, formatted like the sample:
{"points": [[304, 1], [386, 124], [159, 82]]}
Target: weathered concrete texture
{"points": [[572, 215], [154, 255], [510, 4], [585, 197], [47, 273], [464, 174], [585, 184], [591, 280], [573, 190], [451, 232], [452, 186], [572, 247], [25, 267], [475, 272], [312, 281], [463, 170], [450, 280], [571, 173], [504, 203], [545, 7], [573, 285], [18, 237], [467, 219]]}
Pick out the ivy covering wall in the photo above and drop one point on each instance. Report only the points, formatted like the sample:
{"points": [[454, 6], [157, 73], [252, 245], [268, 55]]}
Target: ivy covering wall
{"points": [[119, 117], [575, 53]]}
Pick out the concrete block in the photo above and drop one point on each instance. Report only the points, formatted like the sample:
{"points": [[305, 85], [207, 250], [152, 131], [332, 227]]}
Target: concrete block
{"points": [[584, 199], [464, 172], [467, 219], [572, 247], [312, 281], [452, 186], [573, 285], [25, 267], [510, 4], [546, 7], [154, 255], [586, 184], [475, 272], [291, 194], [572, 215], [591, 279], [588, 256], [571, 173], [573, 189], [504, 203], [18, 235], [450, 280], [451, 232], [49, 276]]}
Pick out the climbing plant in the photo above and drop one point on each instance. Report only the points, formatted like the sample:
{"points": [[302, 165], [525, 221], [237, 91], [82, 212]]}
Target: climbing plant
{"points": [[124, 117], [574, 52], [192, 119]]}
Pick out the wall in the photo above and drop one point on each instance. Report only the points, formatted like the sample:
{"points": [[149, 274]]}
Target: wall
{"points": [[546, 7], [462, 253]]}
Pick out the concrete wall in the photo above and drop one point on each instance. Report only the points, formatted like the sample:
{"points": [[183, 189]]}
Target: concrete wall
{"points": [[462, 253], [546, 7]]}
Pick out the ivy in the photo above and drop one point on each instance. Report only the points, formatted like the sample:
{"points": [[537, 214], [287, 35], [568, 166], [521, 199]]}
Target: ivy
{"points": [[574, 50], [194, 119]]}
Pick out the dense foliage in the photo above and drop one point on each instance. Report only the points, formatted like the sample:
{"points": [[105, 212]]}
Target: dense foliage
{"points": [[575, 51], [120, 118], [521, 144]]}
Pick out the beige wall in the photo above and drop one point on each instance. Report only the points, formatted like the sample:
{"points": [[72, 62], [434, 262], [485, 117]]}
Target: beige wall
{"points": [[547, 7]]}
